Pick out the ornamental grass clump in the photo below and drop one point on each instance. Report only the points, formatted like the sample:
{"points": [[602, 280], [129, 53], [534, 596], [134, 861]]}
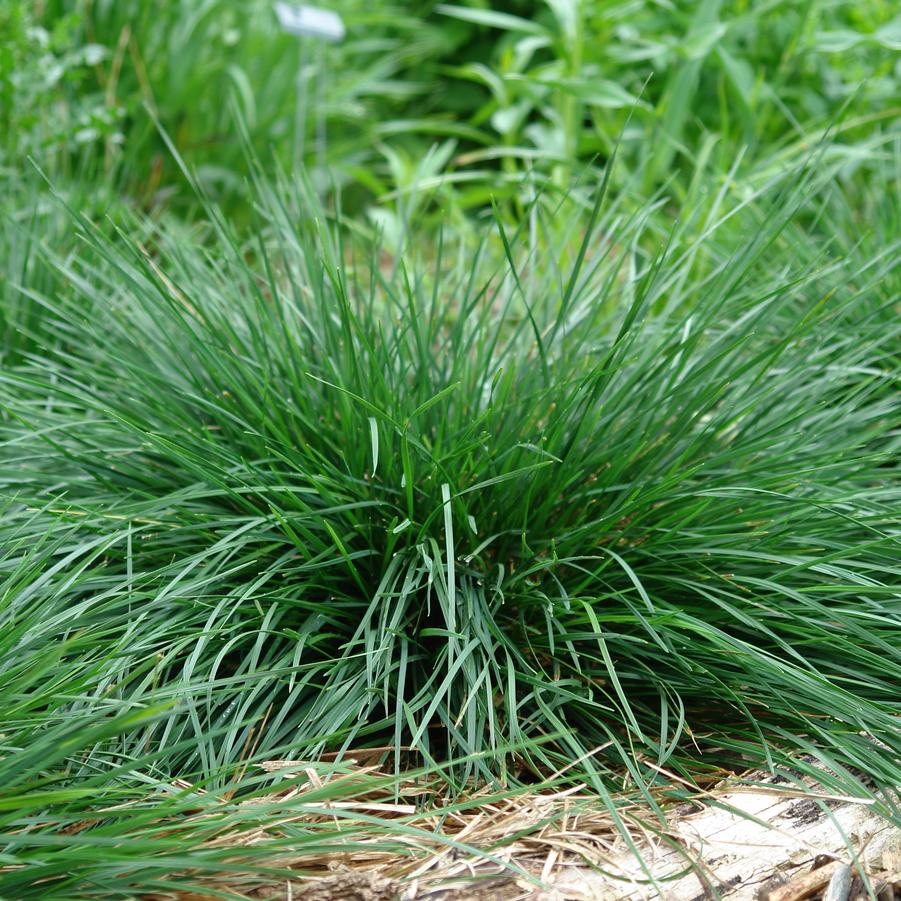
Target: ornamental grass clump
{"points": [[599, 495]]}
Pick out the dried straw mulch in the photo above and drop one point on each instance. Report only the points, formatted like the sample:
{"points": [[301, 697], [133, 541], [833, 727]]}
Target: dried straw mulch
{"points": [[730, 841]]}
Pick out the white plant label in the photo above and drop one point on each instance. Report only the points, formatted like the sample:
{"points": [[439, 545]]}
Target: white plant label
{"points": [[310, 21]]}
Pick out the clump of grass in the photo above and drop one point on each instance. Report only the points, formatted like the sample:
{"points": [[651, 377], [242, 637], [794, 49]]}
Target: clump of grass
{"points": [[596, 493]]}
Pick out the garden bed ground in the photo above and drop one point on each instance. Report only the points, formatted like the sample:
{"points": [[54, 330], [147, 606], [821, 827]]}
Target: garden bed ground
{"points": [[769, 842]]}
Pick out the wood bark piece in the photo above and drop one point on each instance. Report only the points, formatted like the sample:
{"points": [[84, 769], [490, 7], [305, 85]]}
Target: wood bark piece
{"points": [[741, 859], [808, 883]]}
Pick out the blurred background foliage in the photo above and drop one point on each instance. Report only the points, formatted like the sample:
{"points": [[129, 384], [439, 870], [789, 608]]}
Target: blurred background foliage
{"points": [[459, 103]]}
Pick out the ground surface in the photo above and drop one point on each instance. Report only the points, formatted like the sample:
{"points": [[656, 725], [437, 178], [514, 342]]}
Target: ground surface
{"points": [[767, 842]]}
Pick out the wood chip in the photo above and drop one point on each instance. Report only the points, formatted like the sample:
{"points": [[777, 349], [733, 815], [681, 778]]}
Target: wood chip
{"points": [[806, 885]]}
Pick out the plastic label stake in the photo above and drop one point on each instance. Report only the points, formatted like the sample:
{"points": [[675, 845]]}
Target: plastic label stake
{"points": [[310, 22], [324, 26]]}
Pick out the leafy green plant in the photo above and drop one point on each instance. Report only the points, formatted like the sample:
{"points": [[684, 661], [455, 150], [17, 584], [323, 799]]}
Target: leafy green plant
{"points": [[49, 107], [191, 64], [506, 98], [566, 75]]}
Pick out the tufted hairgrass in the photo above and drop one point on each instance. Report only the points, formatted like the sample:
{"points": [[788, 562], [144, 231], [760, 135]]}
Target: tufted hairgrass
{"points": [[597, 493]]}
